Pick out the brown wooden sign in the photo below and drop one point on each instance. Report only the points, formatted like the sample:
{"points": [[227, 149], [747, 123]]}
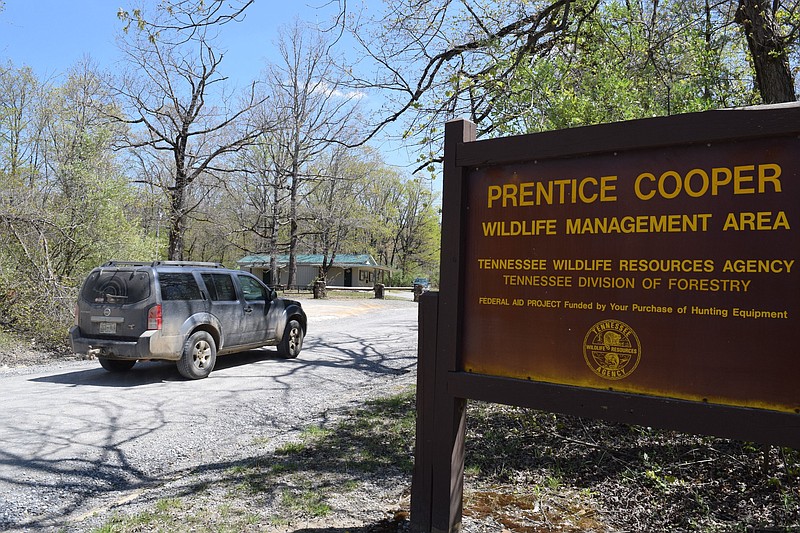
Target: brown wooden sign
{"points": [[670, 272], [645, 272]]}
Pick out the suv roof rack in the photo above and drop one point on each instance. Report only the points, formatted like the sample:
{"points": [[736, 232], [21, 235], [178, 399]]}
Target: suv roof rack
{"points": [[205, 264]]}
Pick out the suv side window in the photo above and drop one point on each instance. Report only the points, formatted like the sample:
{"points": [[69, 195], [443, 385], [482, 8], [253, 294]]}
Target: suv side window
{"points": [[252, 289], [220, 287], [178, 286]]}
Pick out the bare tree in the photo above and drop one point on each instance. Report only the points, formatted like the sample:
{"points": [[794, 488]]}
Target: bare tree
{"points": [[263, 192], [335, 203], [176, 100], [187, 18], [312, 111], [20, 93], [439, 59]]}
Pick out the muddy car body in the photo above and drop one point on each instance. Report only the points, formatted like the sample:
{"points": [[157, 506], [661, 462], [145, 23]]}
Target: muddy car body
{"points": [[180, 311]]}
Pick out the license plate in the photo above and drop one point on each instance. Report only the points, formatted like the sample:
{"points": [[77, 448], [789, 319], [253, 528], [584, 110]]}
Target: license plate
{"points": [[108, 327]]}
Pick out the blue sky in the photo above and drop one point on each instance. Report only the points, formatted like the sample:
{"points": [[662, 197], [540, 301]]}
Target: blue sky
{"points": [[50, 36]]}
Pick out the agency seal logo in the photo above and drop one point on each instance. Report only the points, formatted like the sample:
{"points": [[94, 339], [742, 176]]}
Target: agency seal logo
{"points": [[612, 349]]}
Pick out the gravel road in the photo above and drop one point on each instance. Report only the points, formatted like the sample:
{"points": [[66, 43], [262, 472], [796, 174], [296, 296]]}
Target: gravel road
{"points": [[75, 439]]}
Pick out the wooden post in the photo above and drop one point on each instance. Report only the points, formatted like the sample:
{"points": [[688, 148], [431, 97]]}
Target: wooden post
{"points": [[380, 291], [418, 290], [421, 485], [437, 488], [320, 290]]}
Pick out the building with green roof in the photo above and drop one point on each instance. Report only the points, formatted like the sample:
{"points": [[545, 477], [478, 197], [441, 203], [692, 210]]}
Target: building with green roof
{"points": [[346, 270]]}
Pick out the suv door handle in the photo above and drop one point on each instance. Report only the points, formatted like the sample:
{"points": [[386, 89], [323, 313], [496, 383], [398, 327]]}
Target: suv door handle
{"points": [[248, 309]]}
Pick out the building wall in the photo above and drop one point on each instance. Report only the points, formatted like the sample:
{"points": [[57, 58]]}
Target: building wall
{"points": [[364, 277], [307, 274], [361, 277]]}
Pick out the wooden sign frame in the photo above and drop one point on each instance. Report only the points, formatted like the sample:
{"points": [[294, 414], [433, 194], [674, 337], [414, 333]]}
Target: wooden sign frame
{"points": [[446, 377]]}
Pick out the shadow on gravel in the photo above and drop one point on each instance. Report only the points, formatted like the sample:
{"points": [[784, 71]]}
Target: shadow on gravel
{"points": [[150, 372], [358, 353], [363, 355], [142, 374], [384, 526]]}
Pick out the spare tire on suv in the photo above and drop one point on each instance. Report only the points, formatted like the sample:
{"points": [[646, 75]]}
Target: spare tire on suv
{"points": [[186, 312]]}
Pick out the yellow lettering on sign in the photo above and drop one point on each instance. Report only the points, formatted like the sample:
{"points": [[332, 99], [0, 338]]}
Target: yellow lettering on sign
{"points": [[538, 281], [639, 224], [751, 266], [757, 221], [742, 179], [512, 264], [708, 285], [561, 191], [666, 265], [516, 228]]}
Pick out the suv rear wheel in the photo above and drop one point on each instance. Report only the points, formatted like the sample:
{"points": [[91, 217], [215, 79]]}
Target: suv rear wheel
{"points": [[115, 365], [292, 341], [199, 356]]}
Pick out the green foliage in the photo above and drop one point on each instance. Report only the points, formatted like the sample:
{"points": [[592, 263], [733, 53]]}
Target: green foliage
{"points": [[403, 231], [525, 66], [61, 214], [71, 202], [625, 63], [290, 448]]}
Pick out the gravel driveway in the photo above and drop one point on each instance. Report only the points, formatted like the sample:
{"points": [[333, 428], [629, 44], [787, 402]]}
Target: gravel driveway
{"points": [[75, 439]]}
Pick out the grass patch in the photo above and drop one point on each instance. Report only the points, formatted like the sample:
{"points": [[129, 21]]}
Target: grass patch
{"points": [[351, 295], [160, 518], [291, 448], [314, 433], [176, 515], [298, 477], [525, 470], [168, 504], [377, 438], [310, 502]]}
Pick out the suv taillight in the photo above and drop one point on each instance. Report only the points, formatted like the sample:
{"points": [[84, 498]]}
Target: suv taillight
{"points": [[154, 319]]}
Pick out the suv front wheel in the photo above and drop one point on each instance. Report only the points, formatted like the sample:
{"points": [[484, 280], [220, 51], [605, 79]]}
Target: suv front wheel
{"points": [[292, 341], [199, 356]]}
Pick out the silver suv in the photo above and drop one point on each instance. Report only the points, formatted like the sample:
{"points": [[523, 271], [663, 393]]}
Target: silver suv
{"points": [[180, 311]]}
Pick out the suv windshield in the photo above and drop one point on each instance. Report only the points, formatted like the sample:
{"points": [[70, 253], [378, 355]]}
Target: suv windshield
{"points": [[116, 287]]}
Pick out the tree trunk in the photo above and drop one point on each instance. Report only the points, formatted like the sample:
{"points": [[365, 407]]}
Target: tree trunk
{"points": [[275, 276], [177, 221], [293, 231], [768, 50]]}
